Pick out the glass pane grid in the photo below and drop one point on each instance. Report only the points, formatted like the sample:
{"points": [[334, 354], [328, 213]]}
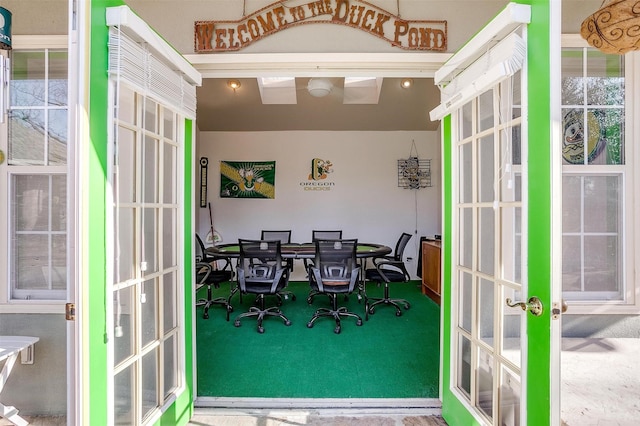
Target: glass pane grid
{"points": [[146, 235]]}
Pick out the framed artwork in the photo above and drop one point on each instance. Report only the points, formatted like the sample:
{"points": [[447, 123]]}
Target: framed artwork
{"points": [[247, 179]]}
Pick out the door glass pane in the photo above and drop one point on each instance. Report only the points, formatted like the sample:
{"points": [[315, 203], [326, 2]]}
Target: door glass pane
{"points": [[149, 240], [170, 302], [485, 311], [149, 382], [125, 259], [486, 169], [169, 124], [126, 105], [464, 365], [484, 382], [168, 185], [509, 398], [150, 115], [170, 366], [486, 247], [466, 120], [148, 309], [151, 175], [168, 238], [466, 237], [123, 397], [465, 171], [126, 170], [485, 113], [123, 343], [466, 302], [511, 244]]}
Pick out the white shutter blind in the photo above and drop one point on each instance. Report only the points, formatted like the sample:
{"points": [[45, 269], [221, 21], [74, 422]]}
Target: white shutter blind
{"points": [[498, 54], [140, 57]]}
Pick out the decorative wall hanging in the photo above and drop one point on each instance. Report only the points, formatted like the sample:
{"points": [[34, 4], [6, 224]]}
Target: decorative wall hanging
{"points": [[223, 36], [614, 28], [247, 179], [204, 171], [414, 173]]}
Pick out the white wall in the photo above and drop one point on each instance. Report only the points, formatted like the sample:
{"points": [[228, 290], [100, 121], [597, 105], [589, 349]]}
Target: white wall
{"points": [[366, 202]]}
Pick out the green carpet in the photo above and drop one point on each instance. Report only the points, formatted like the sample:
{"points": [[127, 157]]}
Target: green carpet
{"points": [[387, 357]]}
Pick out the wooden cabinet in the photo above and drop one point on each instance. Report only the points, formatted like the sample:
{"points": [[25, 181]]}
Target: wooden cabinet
{"points": [[431, 269]]}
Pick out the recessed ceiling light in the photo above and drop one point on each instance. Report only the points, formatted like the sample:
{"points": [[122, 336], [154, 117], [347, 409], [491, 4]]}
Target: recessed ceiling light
{"points": [[405, 83]]}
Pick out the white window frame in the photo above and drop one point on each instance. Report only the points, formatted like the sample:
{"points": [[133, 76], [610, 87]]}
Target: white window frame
{"points": [[630, 233], [40, 42]]}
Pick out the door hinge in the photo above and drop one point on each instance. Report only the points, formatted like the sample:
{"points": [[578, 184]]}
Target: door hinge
{"points": [[70, 311]]}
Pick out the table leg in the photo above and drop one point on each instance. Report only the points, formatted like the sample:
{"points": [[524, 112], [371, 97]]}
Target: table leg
{"points": [[10, 413]]}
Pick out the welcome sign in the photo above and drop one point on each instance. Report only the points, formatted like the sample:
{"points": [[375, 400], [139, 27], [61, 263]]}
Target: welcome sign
{"points": [[222, 36]]}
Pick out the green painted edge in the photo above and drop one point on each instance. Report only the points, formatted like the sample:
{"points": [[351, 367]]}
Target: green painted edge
{"points": [[453, 411], [95, 235], [539, 244]]}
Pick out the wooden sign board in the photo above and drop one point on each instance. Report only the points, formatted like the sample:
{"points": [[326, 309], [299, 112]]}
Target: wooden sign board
{"points": [[223, 36]]}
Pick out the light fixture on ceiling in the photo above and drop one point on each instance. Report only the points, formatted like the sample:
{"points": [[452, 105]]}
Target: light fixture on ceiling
{"points": [[319, 87], [405, 83], [234, 84]]}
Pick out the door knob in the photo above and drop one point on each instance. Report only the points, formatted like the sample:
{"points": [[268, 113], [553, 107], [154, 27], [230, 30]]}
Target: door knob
{"points": [[533, 305]]}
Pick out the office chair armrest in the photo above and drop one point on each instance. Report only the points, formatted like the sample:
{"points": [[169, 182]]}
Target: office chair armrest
{"points": [[203, 265], [392, 265]]}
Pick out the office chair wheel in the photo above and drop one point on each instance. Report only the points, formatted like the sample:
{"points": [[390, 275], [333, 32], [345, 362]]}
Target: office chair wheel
{"points": [[309, 324], [359, 322], [260, 329], [398, 313], [237, 323], [337, 329], [205, 315], [287, 323]]}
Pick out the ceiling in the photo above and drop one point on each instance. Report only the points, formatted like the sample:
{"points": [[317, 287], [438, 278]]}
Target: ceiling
{"points": [[223, 109]]}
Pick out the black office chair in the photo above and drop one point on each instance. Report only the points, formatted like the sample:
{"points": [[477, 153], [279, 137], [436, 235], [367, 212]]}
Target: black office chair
{"points": [[261, 272], [335, 271], [285, 238], [317, 235], [388, 269], [207, 276]]}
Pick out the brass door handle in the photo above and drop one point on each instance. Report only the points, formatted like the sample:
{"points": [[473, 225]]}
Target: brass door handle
{"points": [[533, 305]]}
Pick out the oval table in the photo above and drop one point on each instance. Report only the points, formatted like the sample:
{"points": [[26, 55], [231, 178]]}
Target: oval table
{"points": [[364, 251]]}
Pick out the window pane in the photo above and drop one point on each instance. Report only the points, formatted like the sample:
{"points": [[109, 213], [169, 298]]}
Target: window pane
{"points": [[28, 78], [571, 203], [605, 78], [168, 238], [602, 203], [26, 137], [466, 237], [511, 244], [150, 115], [126, 104], [509, 398], [30, 263], [602, 258], [125, 259], [511, 327], [58, 78], [464, 365], [466, 176], [571, 263], [466, 120], [168, 187], [57, 137], [572, 77], [150, 240]]}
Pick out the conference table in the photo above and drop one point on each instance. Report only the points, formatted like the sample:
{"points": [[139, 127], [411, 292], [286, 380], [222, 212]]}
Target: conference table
{"points": [[300, 250], [364, 251]]}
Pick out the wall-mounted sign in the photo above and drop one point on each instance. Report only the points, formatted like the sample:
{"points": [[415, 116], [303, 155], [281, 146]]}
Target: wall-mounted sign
{"points": [[5, 29], [320, 170], [247, 179], [222, 36]]}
